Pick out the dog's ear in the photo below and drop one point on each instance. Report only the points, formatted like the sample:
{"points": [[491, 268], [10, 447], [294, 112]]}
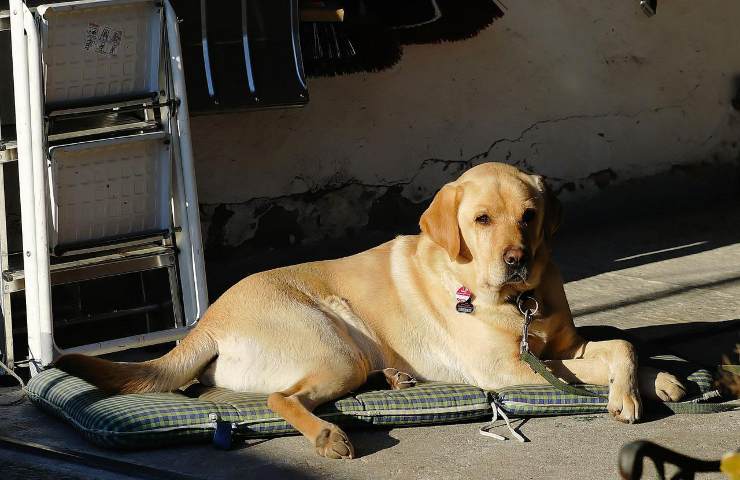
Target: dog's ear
{"points": [[439, 221], [553, 208]]}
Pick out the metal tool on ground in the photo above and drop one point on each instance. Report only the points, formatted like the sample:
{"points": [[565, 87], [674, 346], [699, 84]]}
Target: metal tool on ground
{"points": [[633, 454], [96, 462]]}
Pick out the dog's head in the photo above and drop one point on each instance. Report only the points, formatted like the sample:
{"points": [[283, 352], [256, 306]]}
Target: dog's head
{"points": [[500, 219]]}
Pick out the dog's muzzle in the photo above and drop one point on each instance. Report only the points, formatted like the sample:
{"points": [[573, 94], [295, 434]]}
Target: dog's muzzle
{"points": [[516, 261]]}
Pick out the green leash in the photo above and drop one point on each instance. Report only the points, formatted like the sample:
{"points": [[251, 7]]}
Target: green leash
{"points": [[539, 367], [528, 306]]}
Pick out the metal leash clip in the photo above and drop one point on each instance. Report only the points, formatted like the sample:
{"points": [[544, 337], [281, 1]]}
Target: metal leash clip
{"points": [[528, 306]]}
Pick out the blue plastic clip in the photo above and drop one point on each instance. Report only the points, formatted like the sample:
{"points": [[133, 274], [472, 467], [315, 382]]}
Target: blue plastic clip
{"points": [[222, 433]]}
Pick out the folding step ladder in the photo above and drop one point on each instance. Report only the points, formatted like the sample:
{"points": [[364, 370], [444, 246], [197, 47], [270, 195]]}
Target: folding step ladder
{"points": [[105, 162]]}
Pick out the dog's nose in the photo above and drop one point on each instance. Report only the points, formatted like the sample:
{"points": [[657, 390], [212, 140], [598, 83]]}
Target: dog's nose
{"points": [[514, 256]]}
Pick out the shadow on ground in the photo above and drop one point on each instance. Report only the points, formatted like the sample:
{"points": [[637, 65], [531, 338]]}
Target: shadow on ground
{"points": [[703, 343]]}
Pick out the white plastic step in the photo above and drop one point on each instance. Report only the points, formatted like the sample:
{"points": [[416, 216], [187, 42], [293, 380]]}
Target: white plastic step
{"points": [[109, 188], [98, 50]]}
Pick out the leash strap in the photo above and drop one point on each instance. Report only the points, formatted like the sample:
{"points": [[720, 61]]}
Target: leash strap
{"points": [[23, 393], [485, 430], [697, 405], [539, 367], [528, 306]]}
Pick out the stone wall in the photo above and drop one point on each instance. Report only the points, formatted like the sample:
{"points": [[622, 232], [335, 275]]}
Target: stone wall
{"points": [[589, 93]]}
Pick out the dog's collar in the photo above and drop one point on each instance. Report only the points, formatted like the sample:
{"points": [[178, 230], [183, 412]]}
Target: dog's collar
{"points": [[523, 301]]}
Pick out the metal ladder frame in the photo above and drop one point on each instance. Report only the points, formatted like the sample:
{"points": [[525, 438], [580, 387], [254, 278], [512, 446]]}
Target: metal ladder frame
{"points": [[31, 155]]}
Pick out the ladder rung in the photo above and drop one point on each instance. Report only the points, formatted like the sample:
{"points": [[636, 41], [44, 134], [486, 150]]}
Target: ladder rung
{"points": [[61, 324], [4, 20], [80, 270], [139, 126], [125, 243], [126, 343], [9, 152], [97, 109]]}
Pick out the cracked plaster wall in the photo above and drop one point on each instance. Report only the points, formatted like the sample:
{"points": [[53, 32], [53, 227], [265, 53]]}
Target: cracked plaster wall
{"points": [[585, 92]]}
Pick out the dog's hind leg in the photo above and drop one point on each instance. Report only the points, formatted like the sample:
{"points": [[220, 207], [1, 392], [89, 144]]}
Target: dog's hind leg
{"points": [[296, 404]]}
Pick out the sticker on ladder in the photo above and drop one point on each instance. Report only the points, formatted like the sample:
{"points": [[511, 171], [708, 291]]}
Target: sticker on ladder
{"points": [[102, 39]]}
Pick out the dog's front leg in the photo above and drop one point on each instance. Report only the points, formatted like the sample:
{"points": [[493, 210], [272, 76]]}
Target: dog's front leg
{"points": [[616, 359], [624, 399], [620, 360], [628, 384], [612, 363]]}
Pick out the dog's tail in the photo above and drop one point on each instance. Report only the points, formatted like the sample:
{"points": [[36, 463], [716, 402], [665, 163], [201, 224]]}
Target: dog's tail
{"points": [[165, 374]]}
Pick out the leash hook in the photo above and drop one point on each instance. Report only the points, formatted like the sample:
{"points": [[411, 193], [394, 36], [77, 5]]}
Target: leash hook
{"points": [[528, 306]]}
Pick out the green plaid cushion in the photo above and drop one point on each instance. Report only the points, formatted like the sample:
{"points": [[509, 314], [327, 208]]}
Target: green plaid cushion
{"points": [[159, 419], [536, 400]]}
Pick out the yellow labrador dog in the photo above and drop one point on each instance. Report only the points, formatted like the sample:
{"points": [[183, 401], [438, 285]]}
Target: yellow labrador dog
{"points": [[310, 333]]}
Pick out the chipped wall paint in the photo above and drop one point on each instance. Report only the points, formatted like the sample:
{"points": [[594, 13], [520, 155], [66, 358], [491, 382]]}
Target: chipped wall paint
{"points": [[589, 93]]}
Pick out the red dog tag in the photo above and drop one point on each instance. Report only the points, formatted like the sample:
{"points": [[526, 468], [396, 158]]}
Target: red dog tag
{"points": [[463, 294]]}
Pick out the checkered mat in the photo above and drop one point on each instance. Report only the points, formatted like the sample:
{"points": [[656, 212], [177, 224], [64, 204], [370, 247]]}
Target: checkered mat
{"points": [[158, 419]]}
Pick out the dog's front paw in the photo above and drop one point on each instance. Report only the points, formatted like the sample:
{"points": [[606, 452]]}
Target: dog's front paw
{"points": [[624, 401], [658, 385], [669, 388]]}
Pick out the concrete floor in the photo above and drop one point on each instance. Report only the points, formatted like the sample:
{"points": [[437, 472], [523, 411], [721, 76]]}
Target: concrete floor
{"points": [[672, 278]]}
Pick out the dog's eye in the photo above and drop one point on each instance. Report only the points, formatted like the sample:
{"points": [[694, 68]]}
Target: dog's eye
{"points": [[528, 215], [483, 219]]}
